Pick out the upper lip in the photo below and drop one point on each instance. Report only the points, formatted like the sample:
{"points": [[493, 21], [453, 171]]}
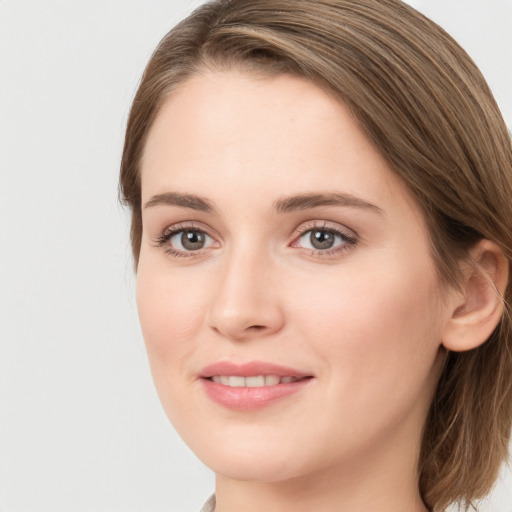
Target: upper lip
{"points": [[249, 369]]}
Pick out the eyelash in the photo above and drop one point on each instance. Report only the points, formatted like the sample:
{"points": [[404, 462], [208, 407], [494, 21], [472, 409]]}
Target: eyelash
{"points": [[349, 240]]}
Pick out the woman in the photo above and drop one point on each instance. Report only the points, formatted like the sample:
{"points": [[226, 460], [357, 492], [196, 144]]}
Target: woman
{"points": [[321, 227]]}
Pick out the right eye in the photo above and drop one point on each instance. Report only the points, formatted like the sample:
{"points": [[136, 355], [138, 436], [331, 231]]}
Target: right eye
{"points": [[190, 240], [184, 241]]}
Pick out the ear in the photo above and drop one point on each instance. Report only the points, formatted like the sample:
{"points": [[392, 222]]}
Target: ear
{"points": [[478, 308]]}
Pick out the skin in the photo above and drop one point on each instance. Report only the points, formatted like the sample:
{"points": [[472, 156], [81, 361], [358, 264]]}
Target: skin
{"points": [[365, 318]]}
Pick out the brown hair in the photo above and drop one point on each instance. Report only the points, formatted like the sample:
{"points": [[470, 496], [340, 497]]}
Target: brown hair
{"points": [[425, 105]]}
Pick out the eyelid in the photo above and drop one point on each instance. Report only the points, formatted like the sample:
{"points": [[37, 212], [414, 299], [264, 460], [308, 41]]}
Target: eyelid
{"points": [[188, 225], [328, 226]]}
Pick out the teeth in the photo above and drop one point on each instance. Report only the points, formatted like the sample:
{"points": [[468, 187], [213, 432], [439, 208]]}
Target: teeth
{"points": [[257, 381], [236, 382], [271, 380]]}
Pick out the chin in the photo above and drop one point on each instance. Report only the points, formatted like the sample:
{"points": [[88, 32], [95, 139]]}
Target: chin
{"points": [[262, 458], [253, 468]]}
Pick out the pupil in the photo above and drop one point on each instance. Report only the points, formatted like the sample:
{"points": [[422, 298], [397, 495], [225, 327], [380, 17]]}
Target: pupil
{"points": [[192, 240], [321, 239]]}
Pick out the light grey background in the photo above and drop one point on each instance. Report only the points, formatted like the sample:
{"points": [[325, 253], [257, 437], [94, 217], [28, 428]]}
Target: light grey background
{"points": [[81, 428]]}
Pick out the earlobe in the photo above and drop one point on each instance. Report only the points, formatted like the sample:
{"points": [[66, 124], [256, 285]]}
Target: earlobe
{"points": [[478, 308]]}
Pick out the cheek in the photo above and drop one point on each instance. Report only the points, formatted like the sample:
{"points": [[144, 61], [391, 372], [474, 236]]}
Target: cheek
{"points": [[170, 310], [350, 303], [377, 332]]}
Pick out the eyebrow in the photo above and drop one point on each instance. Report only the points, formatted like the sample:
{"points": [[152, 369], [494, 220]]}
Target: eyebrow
{"points": [[184, 200], [307, 201], [283, 205]]}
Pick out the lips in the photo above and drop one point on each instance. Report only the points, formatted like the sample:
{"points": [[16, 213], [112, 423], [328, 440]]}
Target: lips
{"points": [[251, 385]]}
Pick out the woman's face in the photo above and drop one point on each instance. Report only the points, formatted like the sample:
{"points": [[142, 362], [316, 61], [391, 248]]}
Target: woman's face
{"points": [[286, 292]]}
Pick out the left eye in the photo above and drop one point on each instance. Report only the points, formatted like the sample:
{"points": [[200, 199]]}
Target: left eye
{"points": [[322, 239], [190, 240]]}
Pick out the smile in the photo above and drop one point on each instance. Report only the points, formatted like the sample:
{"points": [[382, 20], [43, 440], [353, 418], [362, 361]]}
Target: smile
{"points": [[251, 386], [259, 381]]}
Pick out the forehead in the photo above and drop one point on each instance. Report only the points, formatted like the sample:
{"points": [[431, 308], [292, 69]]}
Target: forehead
{"points": [[237, 111], [280, 135]]}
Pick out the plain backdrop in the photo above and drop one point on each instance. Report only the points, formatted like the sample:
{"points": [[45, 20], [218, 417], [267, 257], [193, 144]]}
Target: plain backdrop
{"points": [[81, 428]]}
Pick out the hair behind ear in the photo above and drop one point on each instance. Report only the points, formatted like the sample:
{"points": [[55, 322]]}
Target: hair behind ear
{"points": [[458, 454], [459, 457]]}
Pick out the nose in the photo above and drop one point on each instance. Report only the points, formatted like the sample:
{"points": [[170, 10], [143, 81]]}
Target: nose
{"points": [[245, 302]]}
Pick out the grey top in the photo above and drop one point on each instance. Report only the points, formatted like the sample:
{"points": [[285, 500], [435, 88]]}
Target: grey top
{"points": [[209, 506]]}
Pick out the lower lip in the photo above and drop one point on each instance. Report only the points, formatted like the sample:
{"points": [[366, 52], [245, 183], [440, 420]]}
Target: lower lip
{"points": [[250, 399]]}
